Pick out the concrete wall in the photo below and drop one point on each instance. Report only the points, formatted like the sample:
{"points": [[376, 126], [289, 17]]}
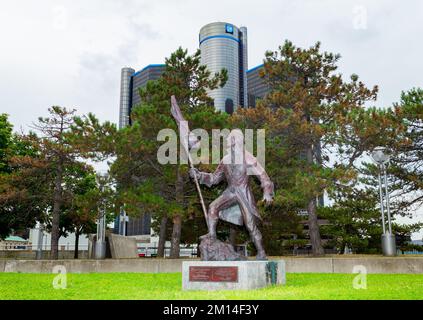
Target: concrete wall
{"points": [[410, 265]]}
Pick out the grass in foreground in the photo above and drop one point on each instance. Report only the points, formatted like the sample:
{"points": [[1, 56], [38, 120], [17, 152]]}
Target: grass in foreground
{"points": [[97, 286]]}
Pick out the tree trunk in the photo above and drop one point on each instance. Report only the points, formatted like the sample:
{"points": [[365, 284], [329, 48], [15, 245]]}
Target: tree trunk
{"points": [[176, 237], [162, 238], [313, 225], [57, 202], [75, 254], [313, 229], [177, 219]]}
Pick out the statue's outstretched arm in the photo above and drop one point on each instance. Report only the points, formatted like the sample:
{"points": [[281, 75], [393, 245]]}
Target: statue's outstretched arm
{"points": [[209, 179], [256, 169]]}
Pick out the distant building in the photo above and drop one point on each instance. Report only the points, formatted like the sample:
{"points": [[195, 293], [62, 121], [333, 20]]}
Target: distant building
{"points": [[140, 79], [14, 243], [224, 46], [131, 226], [257, 87], [130, 82], [65, 243], [125, 103]]}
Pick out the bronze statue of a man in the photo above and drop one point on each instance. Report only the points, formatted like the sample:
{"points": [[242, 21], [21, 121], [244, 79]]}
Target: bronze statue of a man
{"points": [[237, 204]]}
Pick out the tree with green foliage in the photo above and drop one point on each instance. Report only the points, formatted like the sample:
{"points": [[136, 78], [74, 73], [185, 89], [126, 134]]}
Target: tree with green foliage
{"points": [[79, 209], [307, 114], [60, 154], [23, 181], [406, 164], [355, 222], [166, 189], [355, 216], [6, 129], [143, 185]]}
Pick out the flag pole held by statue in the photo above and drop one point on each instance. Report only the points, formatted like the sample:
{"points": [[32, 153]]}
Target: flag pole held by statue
{"points": [[184, 130]]}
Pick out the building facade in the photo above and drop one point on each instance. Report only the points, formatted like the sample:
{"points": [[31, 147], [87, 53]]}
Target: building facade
{"points": [[257, 87], [224, 46], [125, 96], [140, 79], [131, 82]]}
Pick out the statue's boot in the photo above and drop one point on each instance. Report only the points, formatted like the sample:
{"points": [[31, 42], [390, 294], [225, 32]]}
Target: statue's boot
{"points": [[261, 255], [212, 230], [207, 236]]}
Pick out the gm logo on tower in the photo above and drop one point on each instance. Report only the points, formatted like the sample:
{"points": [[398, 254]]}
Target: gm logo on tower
{"points": [[229, 28]]}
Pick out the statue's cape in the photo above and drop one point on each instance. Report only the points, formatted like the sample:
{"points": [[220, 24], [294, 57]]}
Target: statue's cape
{"points": [[232, 215]]}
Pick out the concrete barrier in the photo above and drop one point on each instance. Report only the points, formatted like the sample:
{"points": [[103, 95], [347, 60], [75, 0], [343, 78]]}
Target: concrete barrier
{"points": [[303, 265], [122, 247], [381, 265], [409, 265], [2, 264]]}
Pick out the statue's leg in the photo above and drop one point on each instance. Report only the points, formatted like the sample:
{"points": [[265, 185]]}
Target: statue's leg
{"points": [[222, 202], [254, 232]]}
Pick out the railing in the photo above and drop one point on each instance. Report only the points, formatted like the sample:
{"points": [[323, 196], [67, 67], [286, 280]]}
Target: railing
{"points": [[151, 252], [411, 252], [15, 246]]}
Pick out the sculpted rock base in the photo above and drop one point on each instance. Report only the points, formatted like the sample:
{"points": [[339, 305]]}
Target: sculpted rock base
{"points": [[216, 250]]}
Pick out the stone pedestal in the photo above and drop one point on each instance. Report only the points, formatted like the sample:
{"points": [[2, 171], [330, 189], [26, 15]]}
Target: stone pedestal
{"points": [[232, 275]]}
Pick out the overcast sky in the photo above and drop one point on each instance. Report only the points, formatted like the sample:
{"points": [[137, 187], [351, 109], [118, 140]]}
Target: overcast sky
{"points": [[70, 53]]}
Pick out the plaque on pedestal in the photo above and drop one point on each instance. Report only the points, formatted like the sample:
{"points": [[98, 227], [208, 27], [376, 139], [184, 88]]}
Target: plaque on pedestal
{"points": [[232, 275]]}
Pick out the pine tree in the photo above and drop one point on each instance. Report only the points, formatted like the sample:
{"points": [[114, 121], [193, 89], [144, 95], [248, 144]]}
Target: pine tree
{"points": [[308, 116], [145, 185]]}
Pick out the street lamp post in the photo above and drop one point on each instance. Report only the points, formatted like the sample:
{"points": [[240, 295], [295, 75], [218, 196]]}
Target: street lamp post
{"points": [[381, 158], [100, 244], [39, 254]]}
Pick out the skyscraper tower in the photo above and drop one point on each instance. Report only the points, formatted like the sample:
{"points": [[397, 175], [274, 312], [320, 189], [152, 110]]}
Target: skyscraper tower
{"points": [[130, 83], [125, 103], [224, 46]]}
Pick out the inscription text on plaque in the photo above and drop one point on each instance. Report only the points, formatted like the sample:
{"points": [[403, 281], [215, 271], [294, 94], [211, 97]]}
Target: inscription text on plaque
{"points": [[213, 274]]}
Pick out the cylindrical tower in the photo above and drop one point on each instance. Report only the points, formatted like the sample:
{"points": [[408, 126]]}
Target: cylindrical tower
{"points": [[221, 48], [125, 96], [244, 67]]}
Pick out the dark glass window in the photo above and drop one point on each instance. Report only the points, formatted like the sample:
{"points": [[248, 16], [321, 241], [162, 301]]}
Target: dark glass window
{"points": [[229, 106]]}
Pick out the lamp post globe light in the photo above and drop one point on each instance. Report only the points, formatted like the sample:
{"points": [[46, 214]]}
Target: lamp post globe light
{"points": [[381, 157]]}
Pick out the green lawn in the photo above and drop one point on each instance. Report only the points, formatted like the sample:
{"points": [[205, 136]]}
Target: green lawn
{"points": [[168, 286]]}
